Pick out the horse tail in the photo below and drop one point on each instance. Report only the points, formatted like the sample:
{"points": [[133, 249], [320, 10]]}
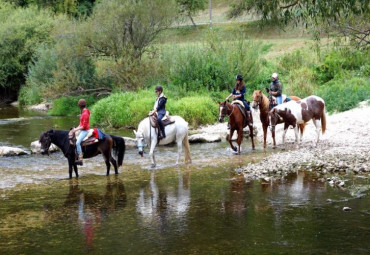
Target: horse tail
{"points": [[323, 121], [119, 148], [187, 149]]}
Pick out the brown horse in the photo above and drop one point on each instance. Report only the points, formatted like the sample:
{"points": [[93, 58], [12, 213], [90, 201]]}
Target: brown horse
{"points": [[263, 103], [236, 120]]}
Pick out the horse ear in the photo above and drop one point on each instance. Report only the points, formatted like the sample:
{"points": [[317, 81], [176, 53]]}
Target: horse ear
{"points": [[135, 132]]}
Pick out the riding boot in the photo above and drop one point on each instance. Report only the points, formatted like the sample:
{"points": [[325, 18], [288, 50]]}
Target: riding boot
{"points": [[162, 133], [79, 161], [249, 116]]}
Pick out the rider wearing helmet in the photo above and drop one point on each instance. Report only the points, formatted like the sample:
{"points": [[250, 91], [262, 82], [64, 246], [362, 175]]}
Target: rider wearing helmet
{"points": [[239, 92], [84, 127], [276, 88], [160, 109]]}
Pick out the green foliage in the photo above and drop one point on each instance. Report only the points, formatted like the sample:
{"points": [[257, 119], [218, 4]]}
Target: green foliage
{"points": [[29, 95], [22, 30], [128, 109], [67, 106], [337, 63], [300, 82], [122, 109], [212, 66], [197, 110], [344, 94]]}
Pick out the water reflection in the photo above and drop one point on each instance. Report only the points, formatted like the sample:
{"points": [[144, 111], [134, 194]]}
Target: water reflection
{"points": [[158, 207], [93, 208]]}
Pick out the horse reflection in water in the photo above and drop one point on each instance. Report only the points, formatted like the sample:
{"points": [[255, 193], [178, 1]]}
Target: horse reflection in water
{"points": [[92, 208], [158, 208]]}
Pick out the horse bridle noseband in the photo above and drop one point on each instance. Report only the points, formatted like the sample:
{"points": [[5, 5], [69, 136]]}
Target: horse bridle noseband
{"points": [[223, 116]]}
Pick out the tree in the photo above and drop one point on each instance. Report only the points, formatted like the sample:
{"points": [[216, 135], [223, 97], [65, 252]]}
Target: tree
{"points": [[350, 17], [22, 31], [190, 7], [126, 28]]}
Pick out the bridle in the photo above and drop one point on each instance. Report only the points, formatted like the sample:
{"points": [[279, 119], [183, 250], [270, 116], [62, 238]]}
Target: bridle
{"points": [[257, 102], [227, 109]]}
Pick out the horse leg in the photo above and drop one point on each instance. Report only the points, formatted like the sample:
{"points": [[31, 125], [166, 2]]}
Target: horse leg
{"points": [[239, 139], [264, 127], [179, 151], [273, 138], [114, 163], [296, 133], [151, 152], [317, 124], [252, 136], [284, 133], [106, 156], [76, 170], [70, 169], [230, 140]]}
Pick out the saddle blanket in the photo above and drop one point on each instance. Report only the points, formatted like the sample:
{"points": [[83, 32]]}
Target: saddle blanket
{"points": [[94, 135]]}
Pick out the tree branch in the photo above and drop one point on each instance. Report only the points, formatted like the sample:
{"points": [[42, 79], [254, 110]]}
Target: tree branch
{"points": [[290, 5]]}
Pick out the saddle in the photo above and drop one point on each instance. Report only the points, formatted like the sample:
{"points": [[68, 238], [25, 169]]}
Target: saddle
{"points": [[242, 109], [166, 120], [91, 138]]}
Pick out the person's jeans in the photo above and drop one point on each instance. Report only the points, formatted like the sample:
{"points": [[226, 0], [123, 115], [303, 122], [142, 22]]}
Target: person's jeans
{"points": [[279, 99], [81, 136]]}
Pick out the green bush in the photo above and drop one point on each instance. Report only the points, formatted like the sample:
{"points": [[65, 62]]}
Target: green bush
{"points": [[67, 106], [197, 110], [300, 82], [128, 109], [212, 66], [29, 95], [22, 30], [122, 109], [344, 94], [337, 63]]}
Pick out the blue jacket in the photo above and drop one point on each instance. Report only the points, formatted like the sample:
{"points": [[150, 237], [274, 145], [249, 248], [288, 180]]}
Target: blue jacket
{"points": [[161, 107], [240, 92]]}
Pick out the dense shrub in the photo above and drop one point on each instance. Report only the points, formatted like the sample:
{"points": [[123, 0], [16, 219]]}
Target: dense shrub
{"points": [[29, 95], [300, 82], [128, 109], [344, 94], [212, 66], [67, 106], [196, 110], [337, 63], [122, 109], [22, 31]]}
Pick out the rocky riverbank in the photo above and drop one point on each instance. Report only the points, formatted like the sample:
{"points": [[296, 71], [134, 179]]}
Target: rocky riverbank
{"points": [[344, 148]]}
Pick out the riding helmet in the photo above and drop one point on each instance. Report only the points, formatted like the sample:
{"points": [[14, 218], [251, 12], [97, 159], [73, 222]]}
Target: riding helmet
{"points": [[274, 75], [159, 88], [239, 77], [82, 103]]}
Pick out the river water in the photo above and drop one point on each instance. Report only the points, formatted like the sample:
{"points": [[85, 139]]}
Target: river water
{"points": [[201, 208]]}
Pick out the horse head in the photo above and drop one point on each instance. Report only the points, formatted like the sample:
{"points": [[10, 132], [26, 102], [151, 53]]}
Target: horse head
{"points": [[140, 141], [223, 109], [274, 118], [45, 141], [257, 99]]}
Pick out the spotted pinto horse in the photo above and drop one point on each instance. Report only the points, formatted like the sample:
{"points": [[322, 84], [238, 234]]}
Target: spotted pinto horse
{"points": [[294, 113]]}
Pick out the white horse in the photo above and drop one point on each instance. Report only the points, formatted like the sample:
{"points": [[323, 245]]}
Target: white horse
{"points": [[176, 132]]}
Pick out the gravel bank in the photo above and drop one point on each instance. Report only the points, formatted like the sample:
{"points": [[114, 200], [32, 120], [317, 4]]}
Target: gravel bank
{"points": [[345, 147]]}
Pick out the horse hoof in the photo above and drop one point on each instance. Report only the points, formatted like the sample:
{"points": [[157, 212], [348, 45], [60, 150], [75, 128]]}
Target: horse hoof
{"points": [[153, 166]]}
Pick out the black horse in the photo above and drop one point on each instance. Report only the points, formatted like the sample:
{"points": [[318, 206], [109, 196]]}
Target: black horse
{"points": [[61, 139]]}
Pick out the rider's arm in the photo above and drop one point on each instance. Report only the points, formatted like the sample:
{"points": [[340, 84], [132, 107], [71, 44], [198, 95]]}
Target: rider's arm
{"points": [[227, 98]]}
